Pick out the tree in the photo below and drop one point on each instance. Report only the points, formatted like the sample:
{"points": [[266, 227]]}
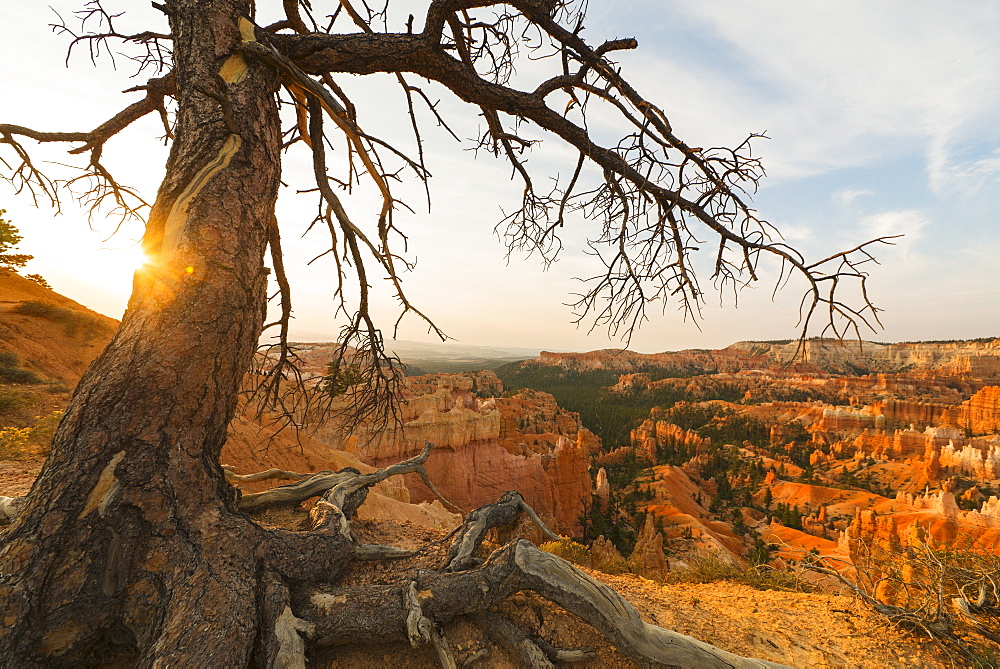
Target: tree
{"points": [[144, 553], [10, 237]]}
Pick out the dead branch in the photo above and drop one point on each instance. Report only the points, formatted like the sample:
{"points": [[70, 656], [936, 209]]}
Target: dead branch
{"points": [[657, 190], [920, 588], [261, 476], [95, 184]]}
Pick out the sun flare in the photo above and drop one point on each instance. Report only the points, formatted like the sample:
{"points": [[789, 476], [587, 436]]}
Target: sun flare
{"points": [[117, 264]]}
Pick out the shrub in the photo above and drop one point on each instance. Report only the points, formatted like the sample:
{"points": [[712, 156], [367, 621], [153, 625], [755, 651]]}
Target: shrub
{"points": [[947, 591], [11, 373], [20, 442], [16, 375], [709, 567], [568, 550], [74, 322], [43, 431], [14, 442], [57, 387], [11, 401]]}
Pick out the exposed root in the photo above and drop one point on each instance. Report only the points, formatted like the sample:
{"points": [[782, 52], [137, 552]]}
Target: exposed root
{"points": [[563, 655], [504, 512], [421, 630], [514, 640], [431, 600], [346, 490], [481, 654], [283, 643], [372, 552], [293, 493]]}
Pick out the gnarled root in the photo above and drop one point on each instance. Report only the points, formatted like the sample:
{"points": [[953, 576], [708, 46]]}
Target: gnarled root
{"points": [[470, 535], [430, 600], [513, 639], [420, 629], [358, 615], [532, 651]]}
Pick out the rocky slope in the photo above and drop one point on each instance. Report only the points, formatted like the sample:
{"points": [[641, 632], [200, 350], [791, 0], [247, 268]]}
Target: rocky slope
{"points": [[51, 335], [980, 358]]}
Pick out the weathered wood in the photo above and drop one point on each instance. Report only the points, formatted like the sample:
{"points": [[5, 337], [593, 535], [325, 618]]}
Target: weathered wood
{"points": [[372, 552], [421, 630], [604, 608], [283, 635], [512, 638], [293, 493], [338, 494], [470, 535], [9, 508], [232, 476], [355, 615], [565, 655], [480, 655], [969, 611]]}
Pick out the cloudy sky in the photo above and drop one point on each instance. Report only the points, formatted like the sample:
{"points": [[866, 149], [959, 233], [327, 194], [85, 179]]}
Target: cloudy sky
{"points": [[881, 118]]}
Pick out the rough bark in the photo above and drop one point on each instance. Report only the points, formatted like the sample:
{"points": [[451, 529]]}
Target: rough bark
{"points": [[128, 538]]}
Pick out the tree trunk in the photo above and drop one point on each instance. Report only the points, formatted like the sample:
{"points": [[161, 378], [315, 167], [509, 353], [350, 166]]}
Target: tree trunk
{"points": [[128, 538]]}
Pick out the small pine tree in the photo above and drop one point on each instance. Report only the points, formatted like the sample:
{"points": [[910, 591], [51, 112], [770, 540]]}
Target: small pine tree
{"points": [[338, 380], [9, 239], [39, 279]]}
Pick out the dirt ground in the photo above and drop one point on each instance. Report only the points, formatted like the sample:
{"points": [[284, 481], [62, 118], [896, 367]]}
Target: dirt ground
{"points": [[797, 629]]}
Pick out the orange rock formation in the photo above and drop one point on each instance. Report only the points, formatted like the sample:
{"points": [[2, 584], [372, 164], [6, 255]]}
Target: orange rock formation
{"points": [[484, 447]]}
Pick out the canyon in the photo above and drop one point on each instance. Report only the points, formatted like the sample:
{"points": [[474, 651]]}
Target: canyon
{"points": [[849, 442]]}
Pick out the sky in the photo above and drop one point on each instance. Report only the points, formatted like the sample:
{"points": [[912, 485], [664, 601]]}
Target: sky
{"points": [[881, 119]]}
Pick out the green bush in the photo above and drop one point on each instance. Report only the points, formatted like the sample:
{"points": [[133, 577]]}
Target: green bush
{"points": [[17, 375], [11, 373], [11, 401]]}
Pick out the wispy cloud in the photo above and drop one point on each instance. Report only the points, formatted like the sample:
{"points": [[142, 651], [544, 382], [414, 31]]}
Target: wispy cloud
{"points": [[837, 84], [907, 222], [949, 175], [845, 197]]}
